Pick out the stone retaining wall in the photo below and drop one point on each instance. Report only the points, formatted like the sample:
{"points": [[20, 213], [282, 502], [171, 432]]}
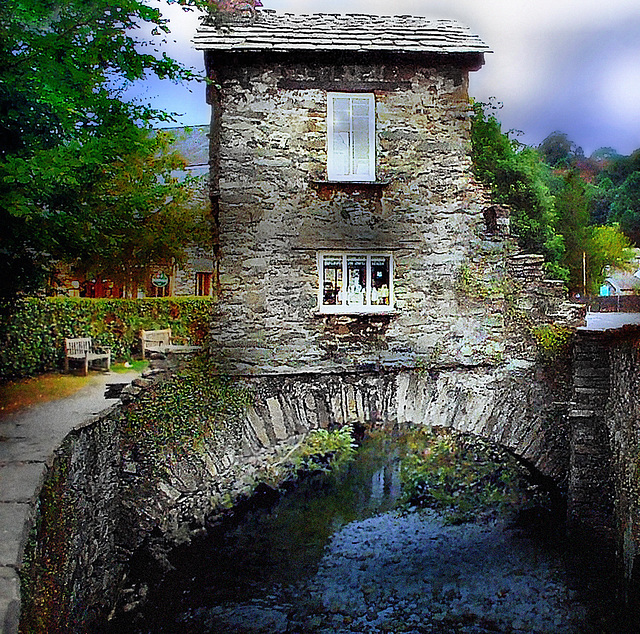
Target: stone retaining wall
{"points": [[105, 506], [622, 415], [604, 487]]}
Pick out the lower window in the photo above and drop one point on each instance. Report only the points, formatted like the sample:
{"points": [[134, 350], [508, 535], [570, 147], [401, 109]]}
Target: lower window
{"points": [[355, 282]]}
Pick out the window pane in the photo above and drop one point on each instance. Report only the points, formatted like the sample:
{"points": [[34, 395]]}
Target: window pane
{"points": [[361, 141], [361, 148], [341, 138], [356, 280], [341, 114], [380, 280], [332, 281], [341, 152]]}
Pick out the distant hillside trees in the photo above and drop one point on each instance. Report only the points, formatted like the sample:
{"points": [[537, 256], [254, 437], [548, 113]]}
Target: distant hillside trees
{"points": [[576, 211]]}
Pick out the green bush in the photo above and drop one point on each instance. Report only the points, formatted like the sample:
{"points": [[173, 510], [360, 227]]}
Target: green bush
{"points": [[552, 342], [462, 476], [325, 450], [32, 332]]}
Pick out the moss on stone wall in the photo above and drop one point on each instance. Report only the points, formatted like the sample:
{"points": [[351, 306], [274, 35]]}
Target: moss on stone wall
{"points": [[46, 597], [175, 417]]}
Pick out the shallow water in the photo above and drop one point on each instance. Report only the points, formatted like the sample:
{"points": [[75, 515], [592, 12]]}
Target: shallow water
{"points": [[331, 555]]}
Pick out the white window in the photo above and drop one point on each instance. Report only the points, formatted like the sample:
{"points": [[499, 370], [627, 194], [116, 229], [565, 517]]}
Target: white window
{"points": [[351, 150], [355, 282]]}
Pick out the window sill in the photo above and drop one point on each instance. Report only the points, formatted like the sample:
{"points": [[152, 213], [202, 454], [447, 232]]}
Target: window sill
{"points": [[361, 313], [332, 183]]}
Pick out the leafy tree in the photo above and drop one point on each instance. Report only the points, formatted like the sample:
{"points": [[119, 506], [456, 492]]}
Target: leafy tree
{"points": [[605, 155], [573, 218], [144, 213], [519, 179], [65, 135], [601, 201], [619, 168], [625, 206], [558, 151], [611, 249]]}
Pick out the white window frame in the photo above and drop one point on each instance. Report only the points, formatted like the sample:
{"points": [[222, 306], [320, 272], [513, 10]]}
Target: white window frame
{"points": [[367, 307], [332, 168]]}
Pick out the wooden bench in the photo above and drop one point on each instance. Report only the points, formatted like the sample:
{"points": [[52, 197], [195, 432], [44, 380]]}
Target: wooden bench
{"points": [[81, 349], [161, 341]]}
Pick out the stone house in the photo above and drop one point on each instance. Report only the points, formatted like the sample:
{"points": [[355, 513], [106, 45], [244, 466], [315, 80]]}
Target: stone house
{"points": [[347, 214]]}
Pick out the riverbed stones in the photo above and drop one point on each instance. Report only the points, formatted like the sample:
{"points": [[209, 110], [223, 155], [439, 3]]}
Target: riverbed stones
{"points": [[413, 573]]}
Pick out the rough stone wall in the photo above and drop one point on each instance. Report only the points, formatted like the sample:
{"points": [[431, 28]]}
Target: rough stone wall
{"points": [[276, 210], [519, 406], [623, 422], [74, 561], [591, 492], [604, 482], [105, 506], [199, 260]]}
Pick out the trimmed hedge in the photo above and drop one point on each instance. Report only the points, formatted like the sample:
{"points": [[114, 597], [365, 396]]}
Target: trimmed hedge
{"points": [[32, 332]]}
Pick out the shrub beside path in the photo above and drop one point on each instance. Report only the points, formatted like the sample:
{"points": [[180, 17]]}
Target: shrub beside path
{"points": [[28, 439]]}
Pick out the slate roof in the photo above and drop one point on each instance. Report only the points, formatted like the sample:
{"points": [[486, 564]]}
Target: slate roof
{"points": [[269, 30], [624, 282]]}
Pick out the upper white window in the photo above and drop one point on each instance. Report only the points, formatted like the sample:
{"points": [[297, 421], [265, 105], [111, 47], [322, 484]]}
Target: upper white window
{"points": [[355, 282], [351, 130]]}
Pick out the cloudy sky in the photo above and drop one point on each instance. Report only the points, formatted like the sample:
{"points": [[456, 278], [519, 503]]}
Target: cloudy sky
{"points": [[567, 65]]}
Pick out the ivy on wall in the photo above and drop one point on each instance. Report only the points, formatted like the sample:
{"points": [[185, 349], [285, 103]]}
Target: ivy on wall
{"points": [[32, 333]]}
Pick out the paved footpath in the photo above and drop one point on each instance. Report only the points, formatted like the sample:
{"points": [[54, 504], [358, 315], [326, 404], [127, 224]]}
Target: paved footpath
{"points": [[610, 321], [28, 440]]}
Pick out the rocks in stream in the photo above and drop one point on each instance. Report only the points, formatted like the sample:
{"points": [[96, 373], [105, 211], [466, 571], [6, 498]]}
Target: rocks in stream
{"points": [[413, 573]]}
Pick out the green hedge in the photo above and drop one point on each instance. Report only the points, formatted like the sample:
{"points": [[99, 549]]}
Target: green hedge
{"points": [[32, 332]]}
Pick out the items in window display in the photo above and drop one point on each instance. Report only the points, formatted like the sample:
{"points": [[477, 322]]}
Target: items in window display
{"points": [[332, 287], [367, 282]]}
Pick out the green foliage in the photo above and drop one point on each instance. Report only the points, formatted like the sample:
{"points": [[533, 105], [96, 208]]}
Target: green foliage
{"points": [[325, 450], [558, 151], [178, 415], [625, 206], [611, 250], [32, 334], [81, 177], [459, 475], [519, 179], [573, 218], [552, 341]]}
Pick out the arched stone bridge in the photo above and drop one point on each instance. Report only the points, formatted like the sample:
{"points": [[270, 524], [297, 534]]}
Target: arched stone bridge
{"points": [[509, 405], [579, 428]]}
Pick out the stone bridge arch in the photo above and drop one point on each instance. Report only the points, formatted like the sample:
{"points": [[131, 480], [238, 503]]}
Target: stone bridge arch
{"points": [[508, 405]]}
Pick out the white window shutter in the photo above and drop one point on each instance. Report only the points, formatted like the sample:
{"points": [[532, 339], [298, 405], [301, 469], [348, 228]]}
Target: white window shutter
{"points": [[351, 136]]}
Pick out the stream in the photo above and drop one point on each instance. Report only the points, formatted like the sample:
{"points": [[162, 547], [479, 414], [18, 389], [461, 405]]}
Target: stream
{"points": [[334, 553]]}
